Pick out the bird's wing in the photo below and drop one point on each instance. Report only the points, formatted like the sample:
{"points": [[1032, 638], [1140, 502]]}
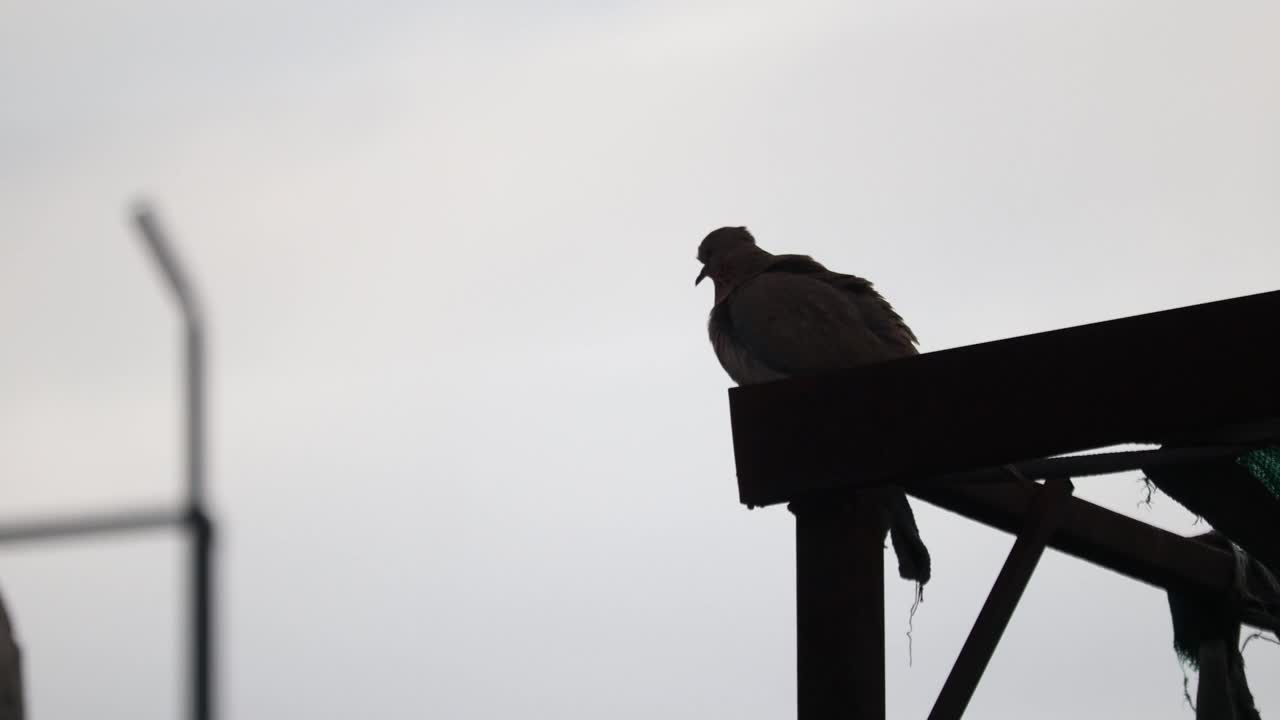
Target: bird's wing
{"points": [[884, 321], [878, 314], [797, 324]]}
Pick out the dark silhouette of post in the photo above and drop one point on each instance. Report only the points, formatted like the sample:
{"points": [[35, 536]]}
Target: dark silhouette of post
{"points": [[840, 606], [199, 525]]}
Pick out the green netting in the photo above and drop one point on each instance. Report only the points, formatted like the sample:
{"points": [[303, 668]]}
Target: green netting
{"points": [[1264, 464]]}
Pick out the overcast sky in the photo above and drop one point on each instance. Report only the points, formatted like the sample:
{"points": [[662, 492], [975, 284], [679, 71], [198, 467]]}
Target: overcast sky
{"points": [[470, 446]]}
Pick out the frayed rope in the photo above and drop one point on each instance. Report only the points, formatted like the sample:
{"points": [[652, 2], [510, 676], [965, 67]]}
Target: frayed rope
{"points": [[911, 623], [1258, 636]]}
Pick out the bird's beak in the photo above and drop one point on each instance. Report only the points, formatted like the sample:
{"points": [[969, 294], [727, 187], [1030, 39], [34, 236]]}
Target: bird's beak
{"points": [[701, 276]]}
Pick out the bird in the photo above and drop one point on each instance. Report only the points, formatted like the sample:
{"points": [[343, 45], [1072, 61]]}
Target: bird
{"points": [[781, 316]]}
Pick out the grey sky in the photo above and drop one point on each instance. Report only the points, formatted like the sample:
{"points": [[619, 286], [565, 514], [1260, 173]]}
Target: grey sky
{"points": [[470, 445]]}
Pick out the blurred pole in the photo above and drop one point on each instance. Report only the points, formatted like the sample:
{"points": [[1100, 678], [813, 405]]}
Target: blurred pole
{"points": [[11, 704], [199, 524], [97, 524], [193, 331]]}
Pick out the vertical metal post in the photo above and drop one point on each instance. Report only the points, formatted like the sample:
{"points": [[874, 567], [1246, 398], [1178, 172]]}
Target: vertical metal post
{"points": [[202, 640], [198, 522], [201, 529], [12, 706], [840, 607]]}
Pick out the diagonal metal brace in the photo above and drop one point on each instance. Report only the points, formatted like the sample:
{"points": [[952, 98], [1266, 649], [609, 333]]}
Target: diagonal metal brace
{"points": [[1044, 515]]}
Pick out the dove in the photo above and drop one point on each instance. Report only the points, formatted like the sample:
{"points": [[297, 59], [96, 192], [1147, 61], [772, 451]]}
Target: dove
{"points": [[782, 316]]}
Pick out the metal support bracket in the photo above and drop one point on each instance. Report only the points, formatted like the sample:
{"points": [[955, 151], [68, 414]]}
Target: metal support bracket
{"points": [[1046, 512]]}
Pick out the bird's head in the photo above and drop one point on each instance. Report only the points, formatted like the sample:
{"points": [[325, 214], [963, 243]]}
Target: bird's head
{"points": [[717, 251]]}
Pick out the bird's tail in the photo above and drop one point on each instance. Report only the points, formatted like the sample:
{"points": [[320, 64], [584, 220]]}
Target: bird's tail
{"points": [[913, 557]]}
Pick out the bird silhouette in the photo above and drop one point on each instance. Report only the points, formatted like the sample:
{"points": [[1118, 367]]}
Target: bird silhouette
{"points": [[782, 316]]}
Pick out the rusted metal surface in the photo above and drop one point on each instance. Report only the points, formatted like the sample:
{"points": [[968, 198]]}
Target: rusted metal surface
{"points": [[1043, 518], [1147, 378]]}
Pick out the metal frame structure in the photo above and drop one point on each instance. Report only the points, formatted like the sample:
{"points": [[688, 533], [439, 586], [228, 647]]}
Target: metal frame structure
{"points": [[971, 430], [193, 517]]}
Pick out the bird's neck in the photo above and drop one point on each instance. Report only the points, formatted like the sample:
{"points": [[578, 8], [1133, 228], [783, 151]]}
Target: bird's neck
{"points": [[739, 267], [723, 288]]}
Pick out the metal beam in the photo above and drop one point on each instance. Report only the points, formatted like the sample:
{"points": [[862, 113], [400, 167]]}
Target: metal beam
{"points": [[1146, 379], [106, 523], [1103, 537], [1041, 521]]}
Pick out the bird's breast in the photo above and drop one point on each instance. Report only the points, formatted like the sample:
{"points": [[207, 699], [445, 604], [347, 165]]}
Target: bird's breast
{"points": [[741, 365]]}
